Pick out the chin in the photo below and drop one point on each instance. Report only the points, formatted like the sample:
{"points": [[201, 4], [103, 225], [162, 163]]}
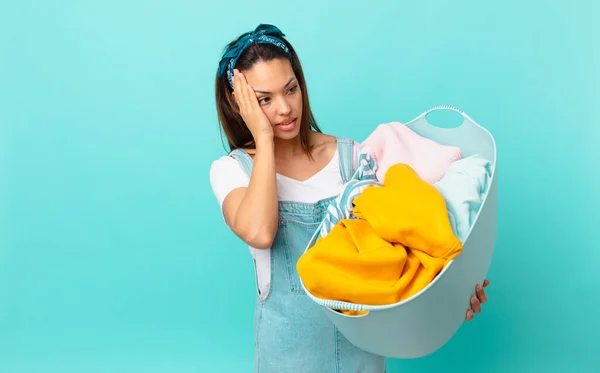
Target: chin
{"points": [[286, 135]]}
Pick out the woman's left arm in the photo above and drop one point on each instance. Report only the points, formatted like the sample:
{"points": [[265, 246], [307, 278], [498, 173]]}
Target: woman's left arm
{"points": [[476, 301]]}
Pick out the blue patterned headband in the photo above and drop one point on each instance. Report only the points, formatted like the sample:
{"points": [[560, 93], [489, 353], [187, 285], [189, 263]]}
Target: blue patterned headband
{"points": [[266, 34]]}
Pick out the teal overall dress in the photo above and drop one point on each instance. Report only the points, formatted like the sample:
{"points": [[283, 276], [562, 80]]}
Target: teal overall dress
{"points": [[292, 335]]}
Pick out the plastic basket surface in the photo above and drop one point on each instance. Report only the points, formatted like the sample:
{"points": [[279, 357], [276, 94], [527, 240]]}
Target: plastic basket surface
{"points": [[420, 325]]}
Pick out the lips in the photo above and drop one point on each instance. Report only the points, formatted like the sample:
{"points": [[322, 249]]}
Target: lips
{"points": [[286, 122], [287, 125]]}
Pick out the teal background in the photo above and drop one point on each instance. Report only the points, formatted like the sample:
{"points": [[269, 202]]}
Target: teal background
{"points": [[113, 253]]}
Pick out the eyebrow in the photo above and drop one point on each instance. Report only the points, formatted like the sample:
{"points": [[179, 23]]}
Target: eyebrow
{"points": [[268, 93]]}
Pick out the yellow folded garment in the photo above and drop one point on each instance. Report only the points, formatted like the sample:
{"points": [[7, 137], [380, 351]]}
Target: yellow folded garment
{"points": [[401, 240], [410, 211]]}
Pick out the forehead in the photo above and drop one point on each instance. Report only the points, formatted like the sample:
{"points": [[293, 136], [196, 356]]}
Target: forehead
{"points": [[269, 75]]}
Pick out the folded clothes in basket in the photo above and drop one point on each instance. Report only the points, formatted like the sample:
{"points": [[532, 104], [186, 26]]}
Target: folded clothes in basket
{"points": [[386, 237], [392, 143], [397, 242], [464, 187]]}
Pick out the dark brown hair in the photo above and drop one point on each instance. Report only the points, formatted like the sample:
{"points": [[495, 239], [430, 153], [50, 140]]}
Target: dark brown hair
{"points": [[232, 124]]}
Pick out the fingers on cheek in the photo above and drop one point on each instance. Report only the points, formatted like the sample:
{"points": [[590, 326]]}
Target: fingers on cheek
{"points": [[241, 97], [236, 101]]}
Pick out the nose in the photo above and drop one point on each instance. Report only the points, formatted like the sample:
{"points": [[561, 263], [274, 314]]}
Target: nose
{"points": [[284, 107]]}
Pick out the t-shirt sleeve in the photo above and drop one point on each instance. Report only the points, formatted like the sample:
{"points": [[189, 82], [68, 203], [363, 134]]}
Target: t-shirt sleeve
{"points": [[226, 174]]}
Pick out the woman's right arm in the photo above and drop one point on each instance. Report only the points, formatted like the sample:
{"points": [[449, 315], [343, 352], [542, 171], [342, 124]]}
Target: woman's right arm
{"points": [[251, 212]]}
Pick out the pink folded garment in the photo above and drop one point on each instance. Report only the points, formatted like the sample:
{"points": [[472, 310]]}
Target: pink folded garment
{"points": [[393, 143]]}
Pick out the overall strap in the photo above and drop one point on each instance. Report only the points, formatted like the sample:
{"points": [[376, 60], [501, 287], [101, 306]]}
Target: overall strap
{"points": [[346, 155], [244, 160]]}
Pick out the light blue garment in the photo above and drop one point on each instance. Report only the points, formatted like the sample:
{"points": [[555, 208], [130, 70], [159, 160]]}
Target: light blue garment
{"points": [[292, 334], [342, 207], [464, 187]]}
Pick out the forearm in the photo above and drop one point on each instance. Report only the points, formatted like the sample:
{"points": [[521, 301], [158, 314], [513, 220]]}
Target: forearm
{"points": [[256, 218]]}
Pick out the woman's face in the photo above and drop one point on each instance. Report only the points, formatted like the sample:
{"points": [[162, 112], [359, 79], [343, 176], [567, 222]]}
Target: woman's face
{"points": [[278, 94]]}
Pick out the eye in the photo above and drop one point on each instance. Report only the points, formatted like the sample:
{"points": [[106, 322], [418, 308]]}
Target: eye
{"points": [[293, 89], [264, 100]]}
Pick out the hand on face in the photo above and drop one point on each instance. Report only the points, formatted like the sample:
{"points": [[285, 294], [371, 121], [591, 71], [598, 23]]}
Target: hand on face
{"points": [[250, 110], [273, 87]]}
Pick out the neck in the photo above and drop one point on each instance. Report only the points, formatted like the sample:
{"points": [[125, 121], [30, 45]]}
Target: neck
{"points": [[288, 149]]}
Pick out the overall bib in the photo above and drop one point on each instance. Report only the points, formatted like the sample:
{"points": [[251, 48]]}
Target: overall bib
{"points": [[292, 335]]}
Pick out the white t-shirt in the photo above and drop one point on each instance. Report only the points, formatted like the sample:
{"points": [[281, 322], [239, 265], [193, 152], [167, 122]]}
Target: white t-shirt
{"points": [[226, 174]]}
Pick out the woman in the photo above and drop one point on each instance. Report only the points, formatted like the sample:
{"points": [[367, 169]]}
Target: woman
{"points": [[274, 188]]}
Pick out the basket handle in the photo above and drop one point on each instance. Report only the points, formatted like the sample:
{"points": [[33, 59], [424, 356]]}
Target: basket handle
{"points": [[465, 116], [446, 107]]}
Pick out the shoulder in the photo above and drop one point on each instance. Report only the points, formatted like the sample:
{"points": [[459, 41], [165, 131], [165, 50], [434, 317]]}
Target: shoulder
{"points": [[221, 164], [329, 144], [226, 174], [323, 144]]}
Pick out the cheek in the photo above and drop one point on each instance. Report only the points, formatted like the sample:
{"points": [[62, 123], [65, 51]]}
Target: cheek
{"points": [[270, 113], [297, 102]]}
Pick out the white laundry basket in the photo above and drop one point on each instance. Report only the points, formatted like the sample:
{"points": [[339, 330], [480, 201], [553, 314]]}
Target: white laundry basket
{"points": [[420, 325]]}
